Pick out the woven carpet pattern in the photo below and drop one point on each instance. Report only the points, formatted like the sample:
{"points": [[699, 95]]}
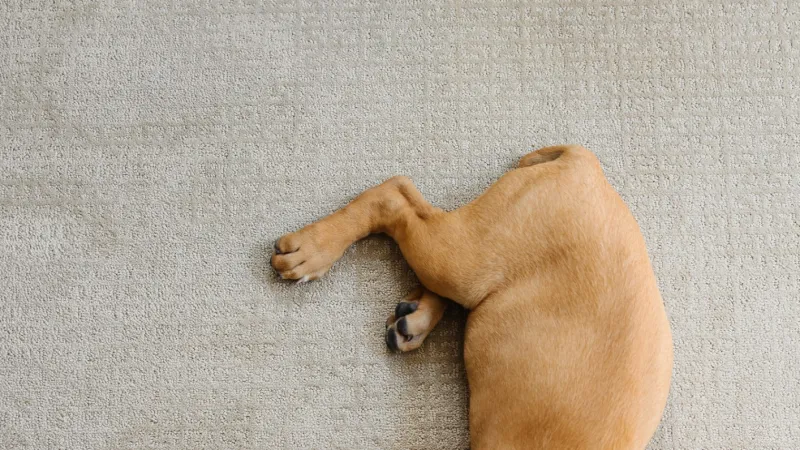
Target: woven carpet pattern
{"points": [[151, 151]]}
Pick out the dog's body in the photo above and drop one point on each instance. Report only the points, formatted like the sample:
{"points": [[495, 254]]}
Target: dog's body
{"points": [[567, 341]]}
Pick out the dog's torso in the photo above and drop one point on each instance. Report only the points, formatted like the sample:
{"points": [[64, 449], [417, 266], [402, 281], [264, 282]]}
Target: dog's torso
{"points": [[574, 349]]}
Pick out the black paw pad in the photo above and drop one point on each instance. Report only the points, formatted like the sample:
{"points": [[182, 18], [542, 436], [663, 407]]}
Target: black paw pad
{"points": [[404, 309], [402, 327], [391, 340]]}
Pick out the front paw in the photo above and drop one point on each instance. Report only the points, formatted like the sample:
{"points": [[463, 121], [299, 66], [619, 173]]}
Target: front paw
{"points": [[306, 254]]}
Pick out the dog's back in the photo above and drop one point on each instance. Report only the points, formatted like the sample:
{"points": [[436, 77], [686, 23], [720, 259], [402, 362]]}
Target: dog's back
{"points": [[574, 349]]}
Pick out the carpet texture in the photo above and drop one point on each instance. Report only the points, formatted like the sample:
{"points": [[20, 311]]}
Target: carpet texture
{"points": [[152, 151]]}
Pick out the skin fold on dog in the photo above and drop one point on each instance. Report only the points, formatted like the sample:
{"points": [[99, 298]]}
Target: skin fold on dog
{"points": [[567, 342]]}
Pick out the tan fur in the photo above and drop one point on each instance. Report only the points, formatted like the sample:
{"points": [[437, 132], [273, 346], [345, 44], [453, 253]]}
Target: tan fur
{"points": [[567, 342]]}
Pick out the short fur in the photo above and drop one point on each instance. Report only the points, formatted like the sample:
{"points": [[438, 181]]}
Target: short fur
{"points": [[567, 341]]}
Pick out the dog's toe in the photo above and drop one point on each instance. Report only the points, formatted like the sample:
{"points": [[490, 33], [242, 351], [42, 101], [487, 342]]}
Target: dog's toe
{"points": [[397, 342], [391, 340], [405, 308], [402, 327]]}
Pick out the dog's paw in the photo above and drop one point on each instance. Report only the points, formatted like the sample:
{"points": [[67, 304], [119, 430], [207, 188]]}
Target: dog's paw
{"points": [[413, 320], [306, 254]]}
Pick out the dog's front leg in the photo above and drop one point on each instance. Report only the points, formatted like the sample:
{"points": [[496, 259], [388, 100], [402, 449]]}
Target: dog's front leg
{"points": [[392, 207]]}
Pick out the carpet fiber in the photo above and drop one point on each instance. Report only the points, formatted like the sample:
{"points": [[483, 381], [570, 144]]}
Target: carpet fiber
{"points": [[152, 151]]}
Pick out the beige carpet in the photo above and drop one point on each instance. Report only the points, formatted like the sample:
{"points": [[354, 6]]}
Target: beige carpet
{"points": [[152, 153]]}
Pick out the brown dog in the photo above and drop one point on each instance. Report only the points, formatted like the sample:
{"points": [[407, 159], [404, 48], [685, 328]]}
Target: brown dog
{"points": [[567, 341]]}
